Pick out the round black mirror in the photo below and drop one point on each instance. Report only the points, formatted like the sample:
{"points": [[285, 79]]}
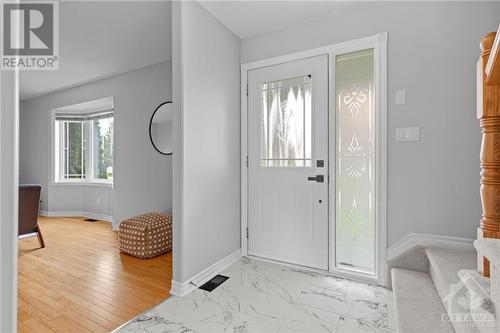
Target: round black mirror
{"points": [[160, 128]]}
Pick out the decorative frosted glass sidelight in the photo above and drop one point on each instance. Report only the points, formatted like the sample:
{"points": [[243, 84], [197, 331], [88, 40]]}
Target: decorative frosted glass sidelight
{"points": [[286, 123], [355, 182]]}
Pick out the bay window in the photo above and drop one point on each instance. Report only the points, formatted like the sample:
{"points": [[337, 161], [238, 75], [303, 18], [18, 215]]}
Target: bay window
{"points": [[84, 147]]}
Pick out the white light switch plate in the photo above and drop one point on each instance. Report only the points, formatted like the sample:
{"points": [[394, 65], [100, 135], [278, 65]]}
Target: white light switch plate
{"points": [[408, 134], [401, 97]]}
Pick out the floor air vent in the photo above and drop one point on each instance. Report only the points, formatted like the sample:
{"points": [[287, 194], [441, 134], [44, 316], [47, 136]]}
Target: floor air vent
{"points": [[91, 220], [214, 282]]}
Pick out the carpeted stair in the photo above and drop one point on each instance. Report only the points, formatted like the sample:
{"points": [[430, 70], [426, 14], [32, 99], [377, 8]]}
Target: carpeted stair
{"points": [[440, 301]]}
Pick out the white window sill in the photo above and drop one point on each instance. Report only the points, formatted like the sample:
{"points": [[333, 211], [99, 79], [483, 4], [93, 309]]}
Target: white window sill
{"points": [[95, 184]]}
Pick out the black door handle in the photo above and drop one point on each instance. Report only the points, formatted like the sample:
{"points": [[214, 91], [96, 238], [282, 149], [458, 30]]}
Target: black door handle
{"points": [[318, 179]]}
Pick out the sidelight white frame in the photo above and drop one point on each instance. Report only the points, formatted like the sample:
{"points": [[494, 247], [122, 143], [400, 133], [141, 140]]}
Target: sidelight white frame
{"points": [[379, 44]]}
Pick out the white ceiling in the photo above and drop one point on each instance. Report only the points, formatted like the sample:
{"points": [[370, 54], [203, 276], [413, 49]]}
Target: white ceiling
{"points": [[103, 39], [256, 17]]}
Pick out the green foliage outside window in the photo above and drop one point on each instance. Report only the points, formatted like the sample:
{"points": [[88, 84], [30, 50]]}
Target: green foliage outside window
{"points": [[103, 149]]}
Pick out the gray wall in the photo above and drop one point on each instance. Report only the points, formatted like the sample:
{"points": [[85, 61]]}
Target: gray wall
{"points": [[206, 140], [95, 199], [142, 177], [8, 200], [433, 185]]}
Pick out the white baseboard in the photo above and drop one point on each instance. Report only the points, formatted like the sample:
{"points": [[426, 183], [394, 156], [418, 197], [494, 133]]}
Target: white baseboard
{"points": [[90, 215], [426, 240], [181, 289]]}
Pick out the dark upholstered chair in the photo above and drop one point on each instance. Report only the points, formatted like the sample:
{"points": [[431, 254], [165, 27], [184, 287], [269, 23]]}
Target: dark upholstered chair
{"points": [[29, 203]]}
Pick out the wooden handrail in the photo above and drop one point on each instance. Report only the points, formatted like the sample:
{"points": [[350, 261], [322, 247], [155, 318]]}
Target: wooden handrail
{"points": [[488, 112], [492, 69]]}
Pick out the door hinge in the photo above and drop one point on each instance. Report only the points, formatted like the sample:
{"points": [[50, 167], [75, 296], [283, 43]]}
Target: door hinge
{"points": [[247, 161], [247, 89], [247, 232]]}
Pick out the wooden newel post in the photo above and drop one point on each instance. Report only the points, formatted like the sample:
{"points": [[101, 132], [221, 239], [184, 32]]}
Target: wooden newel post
{"points": [[488, 112]]}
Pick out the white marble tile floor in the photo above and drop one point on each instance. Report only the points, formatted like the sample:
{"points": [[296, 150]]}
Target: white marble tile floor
{"points": [[264, 297]]}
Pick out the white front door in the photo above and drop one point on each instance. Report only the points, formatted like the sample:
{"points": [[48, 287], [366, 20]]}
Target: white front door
{"points": [[288, 162]]}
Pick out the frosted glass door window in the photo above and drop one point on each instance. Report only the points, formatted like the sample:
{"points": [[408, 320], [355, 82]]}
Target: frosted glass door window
{"points": [[355, 182], [286, 123]]}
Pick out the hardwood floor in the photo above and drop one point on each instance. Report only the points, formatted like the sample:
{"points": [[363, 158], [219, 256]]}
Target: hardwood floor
{"points": [[81, 283]]}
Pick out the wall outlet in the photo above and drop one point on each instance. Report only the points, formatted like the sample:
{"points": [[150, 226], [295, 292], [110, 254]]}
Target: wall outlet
{"points": [[408, 134]]}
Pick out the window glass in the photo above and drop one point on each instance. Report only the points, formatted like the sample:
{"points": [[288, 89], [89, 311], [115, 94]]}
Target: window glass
{"points": [[74, 147], [355, 179], [286, 123], [84, 148], [103, 148]]}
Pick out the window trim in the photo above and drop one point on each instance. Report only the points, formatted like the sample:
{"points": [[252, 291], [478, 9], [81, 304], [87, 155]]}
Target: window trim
{"points": [[89, 153], [59, 178], [56, 153]]}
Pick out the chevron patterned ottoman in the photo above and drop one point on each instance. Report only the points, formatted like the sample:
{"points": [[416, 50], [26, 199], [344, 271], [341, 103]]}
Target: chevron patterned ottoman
{"points": [[146, 236]]}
